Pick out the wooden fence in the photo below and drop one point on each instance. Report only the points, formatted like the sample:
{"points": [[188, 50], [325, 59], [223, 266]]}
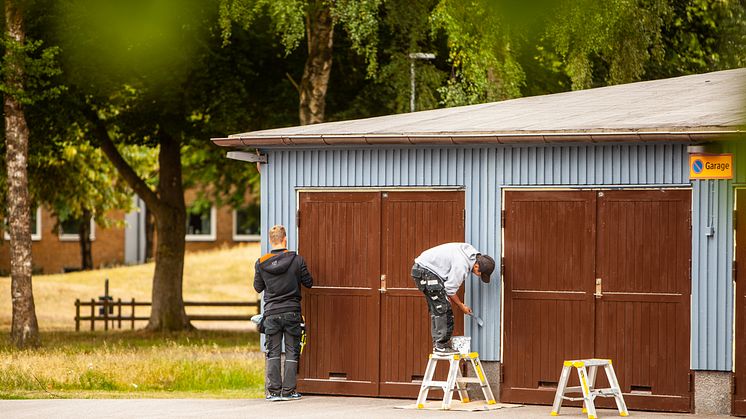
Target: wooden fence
{"points": [[110, 311]]}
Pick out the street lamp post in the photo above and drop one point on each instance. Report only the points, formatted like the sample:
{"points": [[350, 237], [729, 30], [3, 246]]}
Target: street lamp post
{"points": [[412, 57]]}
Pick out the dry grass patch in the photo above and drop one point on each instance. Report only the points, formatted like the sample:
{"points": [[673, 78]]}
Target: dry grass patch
{"points": [[220, 275]]}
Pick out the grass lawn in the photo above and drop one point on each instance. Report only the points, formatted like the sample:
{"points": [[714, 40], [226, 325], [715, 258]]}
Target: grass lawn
{"points": [[135, 364]]}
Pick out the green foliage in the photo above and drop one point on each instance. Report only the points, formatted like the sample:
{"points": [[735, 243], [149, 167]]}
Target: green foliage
{"points": [[359, 18], [39, 66], [624, 34], [482, 50], [701, 36], [291, 20], [288, 17]]}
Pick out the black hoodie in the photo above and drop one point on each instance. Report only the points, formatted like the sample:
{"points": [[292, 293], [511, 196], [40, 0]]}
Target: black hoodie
{"points": [[279, 274]]}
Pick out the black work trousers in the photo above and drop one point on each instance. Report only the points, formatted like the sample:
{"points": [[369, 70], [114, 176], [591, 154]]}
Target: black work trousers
{"points": [[441, 315], [277, 327]]}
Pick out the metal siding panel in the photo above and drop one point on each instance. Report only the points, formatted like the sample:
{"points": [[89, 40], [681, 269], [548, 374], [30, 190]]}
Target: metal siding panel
{"points": [[699, 295], [624, 165], [712, 286]]}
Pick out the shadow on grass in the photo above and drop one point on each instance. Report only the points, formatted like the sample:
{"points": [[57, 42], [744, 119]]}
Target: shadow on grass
{"points": [[87, 341]]}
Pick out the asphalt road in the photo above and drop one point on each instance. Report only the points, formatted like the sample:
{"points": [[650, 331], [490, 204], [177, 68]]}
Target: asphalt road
{"points": [[308, 407]]}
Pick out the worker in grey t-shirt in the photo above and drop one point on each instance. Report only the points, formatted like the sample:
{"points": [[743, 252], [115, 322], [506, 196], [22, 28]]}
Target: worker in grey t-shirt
{"points": [[439, 272]]}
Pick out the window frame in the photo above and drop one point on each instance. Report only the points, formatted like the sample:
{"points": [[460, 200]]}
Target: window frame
{"points": [[242, 237], [213, 229], [73, 237], [34, 237]]}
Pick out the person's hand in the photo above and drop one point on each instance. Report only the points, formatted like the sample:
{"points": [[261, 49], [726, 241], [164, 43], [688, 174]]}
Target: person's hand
{"points": [[465, 309]]}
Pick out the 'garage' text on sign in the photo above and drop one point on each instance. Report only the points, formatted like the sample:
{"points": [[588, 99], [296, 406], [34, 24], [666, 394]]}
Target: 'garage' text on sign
{"points": [[711, 166]]}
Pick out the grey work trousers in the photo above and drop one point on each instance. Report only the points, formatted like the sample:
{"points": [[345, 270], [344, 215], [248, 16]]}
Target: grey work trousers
{"points": [[277, 327], [441, 314]]}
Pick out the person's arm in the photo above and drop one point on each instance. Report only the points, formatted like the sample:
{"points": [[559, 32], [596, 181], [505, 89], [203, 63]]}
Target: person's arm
{"points": [[463, 307], [259, 284], [305, 277]]}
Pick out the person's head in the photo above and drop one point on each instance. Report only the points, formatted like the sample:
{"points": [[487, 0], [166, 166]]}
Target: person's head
{"points": [[484, 267], [277, 237]]}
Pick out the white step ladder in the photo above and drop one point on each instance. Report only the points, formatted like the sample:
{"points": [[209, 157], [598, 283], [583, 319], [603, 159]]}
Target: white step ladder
{"points": [[455, 380], [587, 386]]}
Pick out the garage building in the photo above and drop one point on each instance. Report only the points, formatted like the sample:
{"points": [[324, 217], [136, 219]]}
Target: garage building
{"points": [[606, 247]]}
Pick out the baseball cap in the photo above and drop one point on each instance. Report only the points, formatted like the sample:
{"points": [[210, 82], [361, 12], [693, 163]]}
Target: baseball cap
{"points": [[486, 266]]}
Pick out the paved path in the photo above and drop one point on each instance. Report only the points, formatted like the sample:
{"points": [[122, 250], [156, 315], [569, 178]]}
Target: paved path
{"points": [[308, 407]]}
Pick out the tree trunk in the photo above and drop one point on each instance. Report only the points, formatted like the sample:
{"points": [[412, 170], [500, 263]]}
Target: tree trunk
{"points": [[84, 232], [25, 328], [318, 67], [169, 210], [167, 312], [149, 233]]}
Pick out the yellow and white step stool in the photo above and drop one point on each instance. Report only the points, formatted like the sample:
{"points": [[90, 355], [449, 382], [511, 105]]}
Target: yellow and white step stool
{"points": [[455, 381], [587, 386]]}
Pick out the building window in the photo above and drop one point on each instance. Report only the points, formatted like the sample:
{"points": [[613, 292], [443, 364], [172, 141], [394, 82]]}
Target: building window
{"points": [[201, 224], [246, 225], [70, 228], [35, 225]]}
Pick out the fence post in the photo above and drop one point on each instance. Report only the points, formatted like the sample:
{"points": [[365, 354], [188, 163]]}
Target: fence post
{"points": [[133, 314], [119, 311], [106, 311], [93, 314], [77, 315]]}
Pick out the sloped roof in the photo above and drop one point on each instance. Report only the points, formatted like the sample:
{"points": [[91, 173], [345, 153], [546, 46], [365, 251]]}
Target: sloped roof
{"points": [[690, 108]]}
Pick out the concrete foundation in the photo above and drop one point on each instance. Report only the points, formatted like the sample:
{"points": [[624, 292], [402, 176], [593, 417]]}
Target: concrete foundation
{"points": [[712, 392], [492, 372]]}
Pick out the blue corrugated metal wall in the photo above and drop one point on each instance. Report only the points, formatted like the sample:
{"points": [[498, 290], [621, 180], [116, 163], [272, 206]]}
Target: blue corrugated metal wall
{"points": [[712, 283], [483, 172]]}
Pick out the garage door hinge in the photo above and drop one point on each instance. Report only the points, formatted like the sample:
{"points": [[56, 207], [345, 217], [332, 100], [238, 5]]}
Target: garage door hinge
{"points": [[297, 219], [502, 218], [733, 386], [691, 382], [735, 270], [689, 220]]}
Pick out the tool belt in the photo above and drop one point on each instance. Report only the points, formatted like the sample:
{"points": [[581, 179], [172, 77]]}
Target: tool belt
{"points": [[426, 281]]}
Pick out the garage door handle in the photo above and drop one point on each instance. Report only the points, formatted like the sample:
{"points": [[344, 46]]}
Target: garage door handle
{"points": [[598, 292], [382, 290]]}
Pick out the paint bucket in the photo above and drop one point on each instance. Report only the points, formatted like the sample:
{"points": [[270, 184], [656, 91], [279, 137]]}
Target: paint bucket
{"points": [[462, 344]]}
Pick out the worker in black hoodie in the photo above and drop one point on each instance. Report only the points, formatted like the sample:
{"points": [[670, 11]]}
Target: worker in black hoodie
{"points": [[280, 274]]}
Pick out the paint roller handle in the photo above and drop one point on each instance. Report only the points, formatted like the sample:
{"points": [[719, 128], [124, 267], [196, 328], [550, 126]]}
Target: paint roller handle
{"points": [[479, 320]]}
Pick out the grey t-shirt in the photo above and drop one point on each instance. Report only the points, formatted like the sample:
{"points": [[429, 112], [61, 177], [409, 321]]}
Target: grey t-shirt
{"points": [[451, 261]]}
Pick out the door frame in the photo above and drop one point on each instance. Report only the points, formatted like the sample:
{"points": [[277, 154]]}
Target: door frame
{"points": [[571, 188], [738, 407]]}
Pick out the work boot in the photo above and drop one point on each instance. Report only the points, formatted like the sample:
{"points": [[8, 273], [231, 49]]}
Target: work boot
{"points": [[292, 396], [444, 350]]}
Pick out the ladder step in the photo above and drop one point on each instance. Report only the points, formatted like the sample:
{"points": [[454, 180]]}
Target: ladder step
{"points": [[436, 384], [468, 380]]}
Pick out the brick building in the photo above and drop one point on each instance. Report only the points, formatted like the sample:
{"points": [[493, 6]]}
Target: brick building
{"points": [[124, 243]]}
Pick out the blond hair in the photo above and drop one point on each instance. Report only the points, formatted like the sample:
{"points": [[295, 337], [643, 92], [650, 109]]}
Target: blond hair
{"points": [[276, 234]]}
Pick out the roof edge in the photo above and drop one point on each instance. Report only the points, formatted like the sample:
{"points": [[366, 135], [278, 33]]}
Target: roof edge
{"points": [[469, 139]]}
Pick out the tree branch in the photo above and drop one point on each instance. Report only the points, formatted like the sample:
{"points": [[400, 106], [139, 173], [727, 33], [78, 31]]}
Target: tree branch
{"points": [[125, 170], [295, 84]]}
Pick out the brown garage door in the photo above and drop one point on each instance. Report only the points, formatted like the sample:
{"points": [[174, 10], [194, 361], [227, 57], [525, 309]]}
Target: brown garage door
{"points": [[368, 328], [739, 397], [636, 246]]}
